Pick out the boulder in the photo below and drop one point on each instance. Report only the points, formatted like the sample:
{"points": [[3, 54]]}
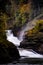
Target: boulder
{"points": [[25, 44], [8, 52]]}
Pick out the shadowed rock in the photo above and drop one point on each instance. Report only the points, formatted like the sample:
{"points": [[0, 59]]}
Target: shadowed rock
{"points": [[8, 52]]}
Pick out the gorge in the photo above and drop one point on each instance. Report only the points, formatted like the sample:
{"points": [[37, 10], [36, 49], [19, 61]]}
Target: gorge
{"points": [[17, 40]]}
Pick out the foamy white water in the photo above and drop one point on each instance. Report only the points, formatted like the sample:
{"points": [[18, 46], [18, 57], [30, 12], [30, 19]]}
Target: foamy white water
{"points": [[22, 52], [29, 53], [16, 41], [12, 38]]}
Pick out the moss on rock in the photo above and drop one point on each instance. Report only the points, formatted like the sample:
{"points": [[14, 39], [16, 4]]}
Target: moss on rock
{"points": [[8, 51]]}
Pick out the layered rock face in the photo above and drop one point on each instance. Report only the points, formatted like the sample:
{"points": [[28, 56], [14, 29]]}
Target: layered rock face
{"points": [[34, 38]]}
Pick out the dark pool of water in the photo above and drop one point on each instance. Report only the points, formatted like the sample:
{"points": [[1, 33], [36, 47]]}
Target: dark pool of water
{"points": [[27, 61]]}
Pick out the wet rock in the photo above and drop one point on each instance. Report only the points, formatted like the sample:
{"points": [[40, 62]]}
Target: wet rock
{"points": [[39, 49], [16, 30], [34, 38], [8, 52], [25, 44], [35, 43]]}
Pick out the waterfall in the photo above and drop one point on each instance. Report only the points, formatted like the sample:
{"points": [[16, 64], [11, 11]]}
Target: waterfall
{"points": [[12, 38], [16, 40], [24, 53]]}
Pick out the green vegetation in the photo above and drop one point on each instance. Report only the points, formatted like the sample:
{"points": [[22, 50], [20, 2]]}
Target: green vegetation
{"points": [[14, 14], [37, 29], [8, 51]]}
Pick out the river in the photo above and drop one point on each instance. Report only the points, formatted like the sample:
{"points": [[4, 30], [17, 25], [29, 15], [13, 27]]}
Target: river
{"points": [[26, 54], [23, 52]]}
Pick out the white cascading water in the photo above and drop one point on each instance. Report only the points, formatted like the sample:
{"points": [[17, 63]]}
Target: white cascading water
{"points": [[16, 41], [22, 52], [12, 38]]}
